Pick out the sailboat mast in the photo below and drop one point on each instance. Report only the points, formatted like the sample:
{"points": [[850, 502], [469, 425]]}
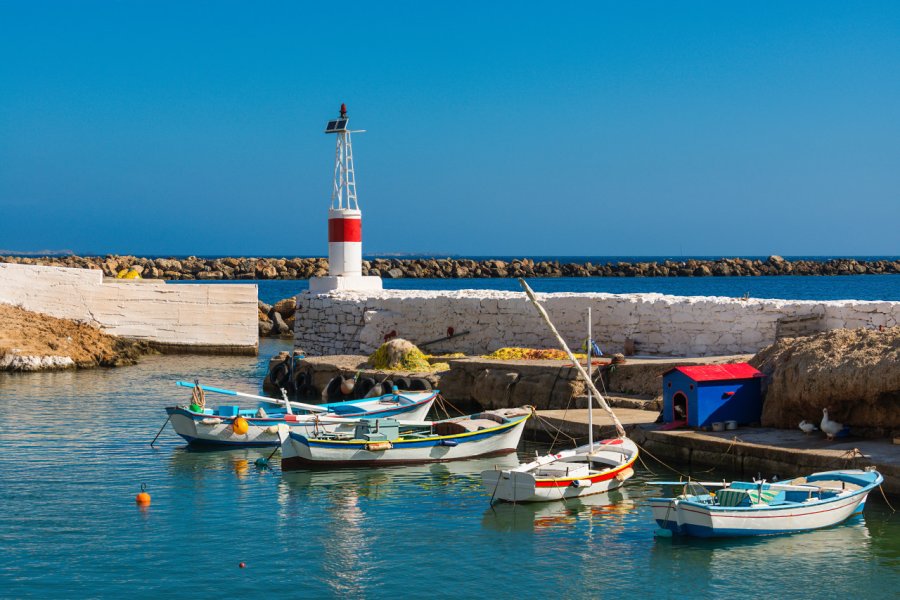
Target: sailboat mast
{"points": [[590, 401], [565, 347]]}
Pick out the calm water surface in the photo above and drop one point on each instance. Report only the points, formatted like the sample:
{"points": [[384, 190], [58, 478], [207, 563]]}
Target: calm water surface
{"points": [[74, 449], [789, 287]]}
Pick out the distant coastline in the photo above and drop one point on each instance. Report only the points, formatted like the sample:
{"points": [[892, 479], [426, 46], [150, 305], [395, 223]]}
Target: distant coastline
{"points": [[247, 268]]}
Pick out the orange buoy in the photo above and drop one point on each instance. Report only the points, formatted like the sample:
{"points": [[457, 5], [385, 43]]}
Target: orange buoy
{"points": [[143, 498], [242, 565], [240, 426]]}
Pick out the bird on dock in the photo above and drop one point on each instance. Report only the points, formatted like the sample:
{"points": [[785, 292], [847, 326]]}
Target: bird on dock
{"points": [[829, 428], [807, 427]]}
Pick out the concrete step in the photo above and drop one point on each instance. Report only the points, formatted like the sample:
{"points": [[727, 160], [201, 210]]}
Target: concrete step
{"points": [[635, 401]]}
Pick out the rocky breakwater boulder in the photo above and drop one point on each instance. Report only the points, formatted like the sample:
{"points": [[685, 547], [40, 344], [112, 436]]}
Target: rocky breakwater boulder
{"points": [[277, 320], [199, 268], [31, 341], [854, 373]]}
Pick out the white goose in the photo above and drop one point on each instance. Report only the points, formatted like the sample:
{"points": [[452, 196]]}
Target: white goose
{"points": [[829, 428], [806, 427]]}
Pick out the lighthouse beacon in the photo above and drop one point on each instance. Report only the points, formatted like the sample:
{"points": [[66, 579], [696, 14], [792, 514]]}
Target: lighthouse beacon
{"points": [[344, 221]]}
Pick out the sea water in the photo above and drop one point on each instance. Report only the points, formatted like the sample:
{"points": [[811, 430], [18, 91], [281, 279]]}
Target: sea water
{"points": [[75, 449], [789, 287]]}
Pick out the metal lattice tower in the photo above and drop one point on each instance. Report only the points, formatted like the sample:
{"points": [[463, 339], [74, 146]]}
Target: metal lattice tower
{"points": [[343, 192]]}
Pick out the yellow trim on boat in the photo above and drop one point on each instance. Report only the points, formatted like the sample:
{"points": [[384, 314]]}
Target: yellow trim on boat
{"points": [[400, 440]]}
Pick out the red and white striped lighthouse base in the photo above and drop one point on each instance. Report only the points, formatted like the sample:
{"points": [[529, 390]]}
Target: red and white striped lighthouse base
{"points": [[354, 283]]}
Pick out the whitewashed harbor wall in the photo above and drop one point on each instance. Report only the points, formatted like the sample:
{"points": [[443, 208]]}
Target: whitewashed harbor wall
{"points": [[196, 316], [354, 323]]}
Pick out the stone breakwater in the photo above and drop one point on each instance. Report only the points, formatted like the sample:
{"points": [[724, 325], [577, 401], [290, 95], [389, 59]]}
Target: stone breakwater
{"points": [[452, 268], [484, 320]]}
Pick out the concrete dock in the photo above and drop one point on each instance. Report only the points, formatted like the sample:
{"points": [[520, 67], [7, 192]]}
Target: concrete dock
{"points": [[746, 451]]}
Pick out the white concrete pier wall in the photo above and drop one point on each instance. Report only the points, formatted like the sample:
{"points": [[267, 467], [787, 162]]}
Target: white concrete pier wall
{"points": [[345, 322], [210, 317]]}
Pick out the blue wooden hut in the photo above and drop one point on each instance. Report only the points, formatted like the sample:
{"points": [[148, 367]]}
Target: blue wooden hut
{"points": [[704, 394]]}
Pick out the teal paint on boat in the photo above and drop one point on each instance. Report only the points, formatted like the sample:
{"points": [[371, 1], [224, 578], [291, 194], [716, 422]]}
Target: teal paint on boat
{"points": [[74, 450]]}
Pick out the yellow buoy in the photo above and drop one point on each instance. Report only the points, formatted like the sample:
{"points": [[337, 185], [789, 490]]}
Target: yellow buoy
{"points": [[240, 426]]}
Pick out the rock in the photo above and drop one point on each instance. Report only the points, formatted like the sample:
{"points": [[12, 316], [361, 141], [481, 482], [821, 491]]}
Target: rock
{"points": [[281, 327], [265, 328], [267, 272], [286, 308], [853, 373], [393, 274]]}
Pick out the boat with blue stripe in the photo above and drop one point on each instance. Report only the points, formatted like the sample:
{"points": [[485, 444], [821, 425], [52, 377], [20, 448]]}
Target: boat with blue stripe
{"points": [[377, 442], [234, 426], [762, 508]]}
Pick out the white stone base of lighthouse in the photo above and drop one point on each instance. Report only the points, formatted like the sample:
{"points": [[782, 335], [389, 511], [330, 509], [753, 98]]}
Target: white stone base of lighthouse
{"points": [[352, 283]]}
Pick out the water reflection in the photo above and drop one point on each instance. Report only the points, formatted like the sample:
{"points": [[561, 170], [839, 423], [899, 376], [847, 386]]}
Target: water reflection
{"points": [[608, 509], [712, 563], [389, 481]]}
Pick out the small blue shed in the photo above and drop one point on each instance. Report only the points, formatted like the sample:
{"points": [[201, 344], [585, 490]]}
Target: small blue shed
{"points": [[704, 394]]}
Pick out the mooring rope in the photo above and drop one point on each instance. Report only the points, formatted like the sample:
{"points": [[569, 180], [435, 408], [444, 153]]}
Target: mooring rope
{"points": [[640, 458], [668, 466], [443, 401], [883, 495], [547, 424]]}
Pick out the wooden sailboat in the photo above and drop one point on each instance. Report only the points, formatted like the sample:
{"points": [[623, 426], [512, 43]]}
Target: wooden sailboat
{"points": [[590, 469]]}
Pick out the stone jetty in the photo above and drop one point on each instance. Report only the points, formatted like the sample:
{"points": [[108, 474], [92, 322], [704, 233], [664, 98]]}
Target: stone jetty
{"points": [[198, 268]]}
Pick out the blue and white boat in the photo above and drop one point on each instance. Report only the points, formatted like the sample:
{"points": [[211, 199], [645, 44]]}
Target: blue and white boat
{"points": [[233, 426], [761, 508]]}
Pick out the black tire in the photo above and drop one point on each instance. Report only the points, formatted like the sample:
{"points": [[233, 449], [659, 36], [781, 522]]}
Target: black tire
{"points": [[280, 374], [307, 391], [301, 378], [402, 383], [419, 384], [363, 386], [333, 389]]}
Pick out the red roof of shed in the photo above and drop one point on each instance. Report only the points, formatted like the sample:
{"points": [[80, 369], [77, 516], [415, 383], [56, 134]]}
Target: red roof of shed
{"points": [[719, 372]]}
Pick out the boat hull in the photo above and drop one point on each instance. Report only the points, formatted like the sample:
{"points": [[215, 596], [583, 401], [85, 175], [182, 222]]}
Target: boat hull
{"points": [[302, 452], [684, 517], [212, 430], [523, 485]]}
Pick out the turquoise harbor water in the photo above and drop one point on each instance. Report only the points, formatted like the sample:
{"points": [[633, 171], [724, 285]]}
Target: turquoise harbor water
{"points": [[74, 449]]}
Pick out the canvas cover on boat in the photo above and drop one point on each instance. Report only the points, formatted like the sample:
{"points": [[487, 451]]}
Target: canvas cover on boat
{"points": [[738, 497]]}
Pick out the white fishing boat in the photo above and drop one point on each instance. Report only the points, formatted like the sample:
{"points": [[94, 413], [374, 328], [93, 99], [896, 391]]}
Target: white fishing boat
{"points": [[593, 468], [744, 508], [377, 442], [590, 469], [231, 425]]}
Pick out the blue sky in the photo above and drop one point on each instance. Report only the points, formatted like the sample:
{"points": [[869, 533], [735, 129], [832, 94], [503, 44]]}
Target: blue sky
{"points": [[597, 128]]}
